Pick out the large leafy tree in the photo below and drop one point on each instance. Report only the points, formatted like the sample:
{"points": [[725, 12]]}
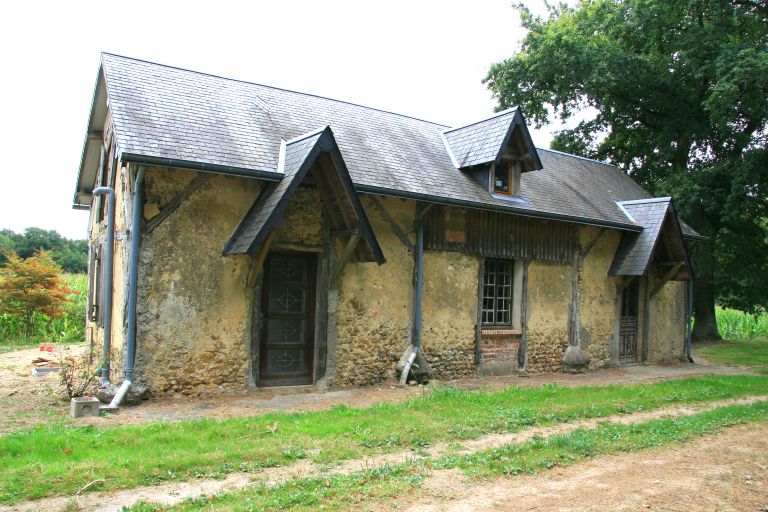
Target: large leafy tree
{"points": [[676, 95]]}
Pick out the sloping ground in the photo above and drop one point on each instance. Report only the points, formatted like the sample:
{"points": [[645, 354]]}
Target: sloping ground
{"points": [[726, 472], [27, 401], [439, 484]]}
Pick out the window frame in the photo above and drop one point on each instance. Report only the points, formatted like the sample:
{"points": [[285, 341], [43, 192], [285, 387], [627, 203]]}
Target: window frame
{"points": [[496, 168], [504, 267], [513, 178]]}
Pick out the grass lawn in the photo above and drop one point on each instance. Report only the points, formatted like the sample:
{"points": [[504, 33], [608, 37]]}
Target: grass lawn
{"points": [[752, 353], [56, 460], [391, 482]]}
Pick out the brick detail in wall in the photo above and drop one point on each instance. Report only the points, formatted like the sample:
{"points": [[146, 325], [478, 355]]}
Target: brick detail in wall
{"points": [[499, 347]]}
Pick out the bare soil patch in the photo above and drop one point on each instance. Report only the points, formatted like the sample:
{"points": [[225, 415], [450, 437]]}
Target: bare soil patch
{"points": [[25, 400], [726, 472]]}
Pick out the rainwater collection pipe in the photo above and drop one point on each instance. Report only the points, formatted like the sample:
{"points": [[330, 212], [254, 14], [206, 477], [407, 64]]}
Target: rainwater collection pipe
{"points": [[107, 262], [689, 326], [133, 279], [418, 295]]}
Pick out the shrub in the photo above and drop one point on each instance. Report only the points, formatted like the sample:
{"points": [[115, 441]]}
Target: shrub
{"points": [[32, 285]]}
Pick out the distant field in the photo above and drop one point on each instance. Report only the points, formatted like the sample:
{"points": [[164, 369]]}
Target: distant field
{"points": [[737, 325], [68, 328]]}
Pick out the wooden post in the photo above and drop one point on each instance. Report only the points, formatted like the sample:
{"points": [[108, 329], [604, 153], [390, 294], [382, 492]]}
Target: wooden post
{"points": [[646, 318]]}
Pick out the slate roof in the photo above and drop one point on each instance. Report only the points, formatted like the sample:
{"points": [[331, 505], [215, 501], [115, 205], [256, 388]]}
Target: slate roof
{"points": [[176, 117], [484, 141], [252, 227], [636, 250], [296, 159]]}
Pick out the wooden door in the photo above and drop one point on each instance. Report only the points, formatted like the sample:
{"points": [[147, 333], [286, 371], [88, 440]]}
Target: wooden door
{"points": [[630, 298], [288, 319]]}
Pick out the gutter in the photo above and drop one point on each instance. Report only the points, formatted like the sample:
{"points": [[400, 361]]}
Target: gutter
{"points": [[201, 166], [503, 209], [419, 291], [107, 311], [277, 176]]}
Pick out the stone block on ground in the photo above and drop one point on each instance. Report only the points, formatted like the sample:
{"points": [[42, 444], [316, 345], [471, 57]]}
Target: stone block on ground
{"points": [[575, 360]]}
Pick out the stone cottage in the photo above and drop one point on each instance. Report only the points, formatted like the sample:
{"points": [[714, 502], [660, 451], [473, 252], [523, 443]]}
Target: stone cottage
{"points": [[267, 237]]}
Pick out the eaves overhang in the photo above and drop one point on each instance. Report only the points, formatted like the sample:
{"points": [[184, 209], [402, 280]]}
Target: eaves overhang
{"points": [[89, 159]]}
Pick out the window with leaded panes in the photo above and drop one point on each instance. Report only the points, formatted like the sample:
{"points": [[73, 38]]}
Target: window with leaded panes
{"points": [[497, 292]]}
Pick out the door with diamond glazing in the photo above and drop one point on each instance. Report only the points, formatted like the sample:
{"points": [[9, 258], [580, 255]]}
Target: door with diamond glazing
{"points": [[288, 319]]}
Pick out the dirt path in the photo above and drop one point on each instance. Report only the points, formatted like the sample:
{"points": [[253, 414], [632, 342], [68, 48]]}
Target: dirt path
{"points": [[725, 472], [26, 401], [176, 492]]}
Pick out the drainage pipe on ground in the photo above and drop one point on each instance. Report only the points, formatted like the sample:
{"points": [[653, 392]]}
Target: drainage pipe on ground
{"points": [[133, 279], [419, 285], [106, 312]]}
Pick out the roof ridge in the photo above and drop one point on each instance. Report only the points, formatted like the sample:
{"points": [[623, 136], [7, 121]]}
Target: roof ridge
{"points": [[307, 135], [649, 200], [577, 156], [273, 87], [478, 121]]}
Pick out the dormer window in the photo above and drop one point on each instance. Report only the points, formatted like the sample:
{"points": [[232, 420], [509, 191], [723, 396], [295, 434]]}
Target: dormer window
{"points": [[494, 152], [506, 178], [501, 181]]}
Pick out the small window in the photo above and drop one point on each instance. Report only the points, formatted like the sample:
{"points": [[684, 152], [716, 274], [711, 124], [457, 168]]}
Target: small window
{"points": [[497, 292], [501, 178]]}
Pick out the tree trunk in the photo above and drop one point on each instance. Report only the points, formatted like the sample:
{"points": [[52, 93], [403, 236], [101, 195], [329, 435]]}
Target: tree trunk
{"points": [[705, 324]]}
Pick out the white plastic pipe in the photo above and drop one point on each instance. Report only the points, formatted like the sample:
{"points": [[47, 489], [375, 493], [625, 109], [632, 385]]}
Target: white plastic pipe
{"points": [[407, 367], [121, 391]]}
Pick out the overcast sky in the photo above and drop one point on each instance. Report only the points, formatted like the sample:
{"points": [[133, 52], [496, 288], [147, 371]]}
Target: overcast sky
{"points": [[421, 58]]}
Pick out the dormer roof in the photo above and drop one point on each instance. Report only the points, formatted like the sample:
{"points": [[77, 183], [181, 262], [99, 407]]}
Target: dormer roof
{"points": [[489, 140]]}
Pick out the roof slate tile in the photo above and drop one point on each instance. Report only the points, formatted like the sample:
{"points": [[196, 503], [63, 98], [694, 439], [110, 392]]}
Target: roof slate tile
{"points": [[170, 113]]}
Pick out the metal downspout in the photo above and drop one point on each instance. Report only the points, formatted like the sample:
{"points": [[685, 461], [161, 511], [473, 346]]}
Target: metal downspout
{"points": [[689, 326], [108, 257], [418, 295], [133, 278]]}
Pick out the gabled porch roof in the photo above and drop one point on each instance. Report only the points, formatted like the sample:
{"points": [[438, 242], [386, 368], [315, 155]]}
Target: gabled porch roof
{"points": [[317, 153], [661, 240]]}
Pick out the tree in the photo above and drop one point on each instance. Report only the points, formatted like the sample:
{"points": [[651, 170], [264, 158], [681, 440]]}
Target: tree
{"points": [[676, 95], [32, 285], [7, 246], [70, 255]]}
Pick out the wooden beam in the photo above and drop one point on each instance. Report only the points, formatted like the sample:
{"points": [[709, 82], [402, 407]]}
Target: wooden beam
{"points": [[174, 203], [346, 255], [669, 275], [396, 229], [329, 173], [258, 261], [516, 158]]}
